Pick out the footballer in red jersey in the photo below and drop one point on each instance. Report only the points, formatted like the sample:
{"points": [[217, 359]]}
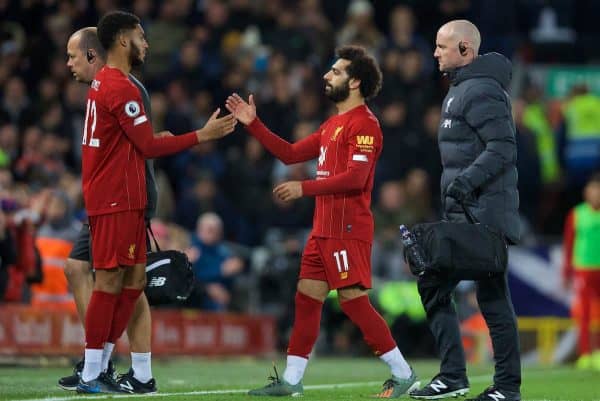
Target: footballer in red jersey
{"points": [[117, 138], [338, 252]]}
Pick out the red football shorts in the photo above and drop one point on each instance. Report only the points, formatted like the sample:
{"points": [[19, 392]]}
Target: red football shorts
{"points": [[118, 239], [341, 263]]}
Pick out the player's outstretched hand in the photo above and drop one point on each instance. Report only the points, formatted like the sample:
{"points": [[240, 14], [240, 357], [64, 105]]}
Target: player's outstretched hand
{"points": [[288, 191], [244, 112], [216, 127]]}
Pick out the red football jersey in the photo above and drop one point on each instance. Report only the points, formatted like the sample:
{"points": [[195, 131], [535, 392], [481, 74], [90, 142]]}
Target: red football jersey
{"points": [[117, 137], [347, 147]]}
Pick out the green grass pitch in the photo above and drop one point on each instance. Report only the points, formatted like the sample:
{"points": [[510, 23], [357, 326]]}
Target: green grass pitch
{"points": [[326, 379]]}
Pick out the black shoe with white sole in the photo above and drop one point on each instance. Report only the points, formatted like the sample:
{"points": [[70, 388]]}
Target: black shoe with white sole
{"points": [[70, 382], [130, 384], [442, 387], [492, 393]]}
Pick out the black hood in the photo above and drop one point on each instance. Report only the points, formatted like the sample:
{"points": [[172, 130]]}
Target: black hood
{"points": [[489, 65]]}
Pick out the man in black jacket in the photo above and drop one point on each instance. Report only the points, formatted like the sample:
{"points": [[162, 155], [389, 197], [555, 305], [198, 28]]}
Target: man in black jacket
{"points": [[477, 144]]}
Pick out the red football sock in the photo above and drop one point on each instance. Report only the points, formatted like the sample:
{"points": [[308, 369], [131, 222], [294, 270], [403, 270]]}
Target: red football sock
{"points": [[123, 312], [98, 318], [584, 343], [374, 329], [306, 325]]}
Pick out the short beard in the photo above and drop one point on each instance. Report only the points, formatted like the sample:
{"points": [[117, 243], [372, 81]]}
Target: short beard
{"points": [[135, 56], [339, 93]]}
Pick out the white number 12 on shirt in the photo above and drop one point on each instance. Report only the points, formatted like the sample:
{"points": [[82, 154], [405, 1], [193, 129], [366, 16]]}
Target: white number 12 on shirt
{"points": [[344, 260], [90, 112]]}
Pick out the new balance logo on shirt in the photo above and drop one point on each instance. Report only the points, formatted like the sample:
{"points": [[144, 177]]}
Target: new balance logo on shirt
{"points": [[447, 123]]}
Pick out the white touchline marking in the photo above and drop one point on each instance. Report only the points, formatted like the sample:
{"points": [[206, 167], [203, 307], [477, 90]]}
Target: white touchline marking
{"points": [[474, 379]]}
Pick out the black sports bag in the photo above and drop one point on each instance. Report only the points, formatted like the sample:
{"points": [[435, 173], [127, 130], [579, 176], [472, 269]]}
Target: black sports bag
{"points": [[465, 251], [169, 276]]}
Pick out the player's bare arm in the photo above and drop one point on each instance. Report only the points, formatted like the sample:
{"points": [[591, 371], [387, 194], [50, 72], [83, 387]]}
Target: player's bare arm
{"points": [[288, 191], [244, 112], [216, 127]]}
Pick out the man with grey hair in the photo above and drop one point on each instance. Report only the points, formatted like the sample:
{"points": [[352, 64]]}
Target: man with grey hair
{"points": [[477, 144]]}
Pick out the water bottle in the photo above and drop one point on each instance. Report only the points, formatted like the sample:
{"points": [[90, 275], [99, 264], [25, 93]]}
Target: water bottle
{"points": [[412, 251]]}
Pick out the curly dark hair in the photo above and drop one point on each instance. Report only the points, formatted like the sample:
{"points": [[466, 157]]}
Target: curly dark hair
{"points": [[362, 67], [113, 23]]}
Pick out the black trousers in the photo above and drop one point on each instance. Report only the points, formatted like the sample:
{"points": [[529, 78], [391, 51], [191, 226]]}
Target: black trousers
{"points": [[493, 296]]}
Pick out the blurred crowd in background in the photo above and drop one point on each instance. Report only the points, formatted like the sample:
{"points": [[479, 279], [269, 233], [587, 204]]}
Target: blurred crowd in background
{"points": [[215, 200]]}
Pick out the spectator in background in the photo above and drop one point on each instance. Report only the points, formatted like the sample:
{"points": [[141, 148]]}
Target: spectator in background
{"points": [[360, 28], [9, 144], [430, 152], [189, 165], [389, 212], [534, 117], [74, 109], [214, 264], [581, 267], [166, 34], [540, 173], [49, 93], [248, 181], [178, 117], [317, 27], [205, 196], [54, 241], [16, 106], [418, 195], [287, 36], [279, 108], [528, 166], [580, 138], [403, 36], [188, 67], [402, 148], [417, 91], [7, 253], [21, 214]]}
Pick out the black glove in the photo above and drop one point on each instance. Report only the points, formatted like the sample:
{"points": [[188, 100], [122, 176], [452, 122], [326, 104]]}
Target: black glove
{"points": [[459, 189]]}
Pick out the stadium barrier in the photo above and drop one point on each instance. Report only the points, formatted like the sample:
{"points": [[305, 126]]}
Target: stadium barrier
{"points": [[27, 331]]}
